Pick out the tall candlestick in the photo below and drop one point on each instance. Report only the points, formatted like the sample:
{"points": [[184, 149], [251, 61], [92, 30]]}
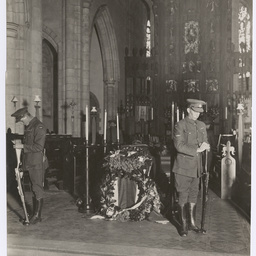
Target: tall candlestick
{"points": [[178, 114], [240, 137], [86, 123], [172, 118], [226, 113], [105, 126], [117, 127]]}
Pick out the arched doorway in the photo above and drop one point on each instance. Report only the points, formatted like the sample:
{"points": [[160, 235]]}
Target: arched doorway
{"points": [[50, 86]]}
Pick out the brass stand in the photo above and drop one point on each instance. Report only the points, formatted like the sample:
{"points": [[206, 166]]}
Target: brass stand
{"points": [[105, 146], [87, 205]]}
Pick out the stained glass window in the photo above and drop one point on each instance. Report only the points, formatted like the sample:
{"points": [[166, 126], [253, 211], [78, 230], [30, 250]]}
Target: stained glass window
{"points": [[244, 33], [244, 43], [148, 39]]}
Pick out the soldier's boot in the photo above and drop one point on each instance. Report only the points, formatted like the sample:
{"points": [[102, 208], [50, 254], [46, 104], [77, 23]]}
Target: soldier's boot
{"points": [[38, 210], [183, 220], [30, 212], [192, 217], [33, 208]]}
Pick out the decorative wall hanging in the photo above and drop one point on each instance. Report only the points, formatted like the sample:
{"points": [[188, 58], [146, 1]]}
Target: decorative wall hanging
{"points": [[191, 67], [191, 37], [184, 67], [173, 7], [129, 103], [191, 85], [212, 85], [171, 86], [212, 4], [211, 66], [198, 66]]}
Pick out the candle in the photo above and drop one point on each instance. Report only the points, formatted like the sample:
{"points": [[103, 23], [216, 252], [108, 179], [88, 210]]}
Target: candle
{"points": [[117, 126], [152, 113], [172, 118], [206, 107], [178, 114], [226, 113], [105, 126], [183, 115], [86, 123]]}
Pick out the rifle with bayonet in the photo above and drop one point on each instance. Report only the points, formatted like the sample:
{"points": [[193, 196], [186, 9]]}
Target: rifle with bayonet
{"points": [[174, 203], [19, 187], [205, 181]]}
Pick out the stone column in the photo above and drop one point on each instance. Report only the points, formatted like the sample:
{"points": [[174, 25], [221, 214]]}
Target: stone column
{"points": [[35, 45], [110, 96], [73, 63], [12, 73], [85, 86], [16, 71]]}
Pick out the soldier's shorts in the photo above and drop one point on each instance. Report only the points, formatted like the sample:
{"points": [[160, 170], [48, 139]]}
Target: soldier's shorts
{"points": [[187, 188], [36, 177]]}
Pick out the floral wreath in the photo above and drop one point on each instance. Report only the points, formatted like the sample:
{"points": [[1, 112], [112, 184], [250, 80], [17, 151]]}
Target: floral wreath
{"points": [[131, 162]]}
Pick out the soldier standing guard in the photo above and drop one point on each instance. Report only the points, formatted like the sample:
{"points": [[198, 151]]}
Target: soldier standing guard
{"points": [[190, 140], [32, 157]]}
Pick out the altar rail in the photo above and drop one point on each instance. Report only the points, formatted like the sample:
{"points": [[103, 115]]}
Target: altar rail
{"points": [[241, 189]]}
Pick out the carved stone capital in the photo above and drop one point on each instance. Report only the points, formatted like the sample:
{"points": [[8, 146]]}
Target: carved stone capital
{"points": [[12, 29], [110, 82], [87, 3]]}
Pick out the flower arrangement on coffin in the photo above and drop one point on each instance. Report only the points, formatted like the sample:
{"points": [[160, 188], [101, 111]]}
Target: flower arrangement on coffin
{"points": [[133, 163]]}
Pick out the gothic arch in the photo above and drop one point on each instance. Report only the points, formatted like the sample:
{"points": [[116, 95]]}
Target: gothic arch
{"points": [[51, 37], [50, 85], [110, 58], [94, 102], [108, 44]]}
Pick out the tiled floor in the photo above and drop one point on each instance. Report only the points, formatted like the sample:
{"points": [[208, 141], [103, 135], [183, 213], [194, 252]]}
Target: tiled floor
{"points": [[65, 231]]}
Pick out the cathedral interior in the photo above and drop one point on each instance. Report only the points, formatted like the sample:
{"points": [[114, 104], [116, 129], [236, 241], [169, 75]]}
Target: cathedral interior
{"points": [[104, 74]]}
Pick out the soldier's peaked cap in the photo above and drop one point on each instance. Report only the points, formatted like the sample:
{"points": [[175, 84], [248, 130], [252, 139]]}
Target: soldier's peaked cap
{"points": [[20, 113], [196, 105]]}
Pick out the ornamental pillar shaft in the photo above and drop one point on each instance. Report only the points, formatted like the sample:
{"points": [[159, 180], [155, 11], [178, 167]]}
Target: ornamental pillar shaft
{"points": [[36, 52], [110, 99], [85, 85], [73, 64]]}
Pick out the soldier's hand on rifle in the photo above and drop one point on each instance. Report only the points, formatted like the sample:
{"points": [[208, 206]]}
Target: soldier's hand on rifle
{"points": [[204, 146], [21, 171], [18, 146], [21, 174]]}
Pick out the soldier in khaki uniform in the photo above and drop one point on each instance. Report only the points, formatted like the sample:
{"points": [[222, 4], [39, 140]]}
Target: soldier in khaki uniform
{"points": [[32, 157], [190, 140]]}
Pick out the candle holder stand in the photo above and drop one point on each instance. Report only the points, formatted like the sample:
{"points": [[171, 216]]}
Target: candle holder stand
{"points": [[87, 205]]}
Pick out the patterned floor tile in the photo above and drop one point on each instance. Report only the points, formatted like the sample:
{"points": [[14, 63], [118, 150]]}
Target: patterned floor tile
{"points": [[227, 230]]}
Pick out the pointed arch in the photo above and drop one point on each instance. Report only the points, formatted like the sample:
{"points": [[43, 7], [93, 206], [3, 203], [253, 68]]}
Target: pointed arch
{"points": [[51, 37], [110, 59], [108, 44]]}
